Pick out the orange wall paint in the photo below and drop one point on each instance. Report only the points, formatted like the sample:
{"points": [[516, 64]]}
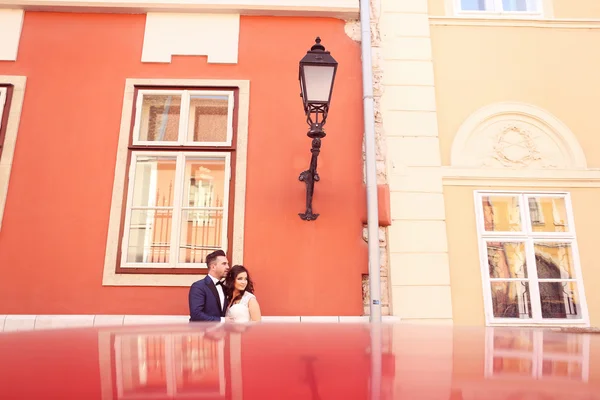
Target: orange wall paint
{"points": [[55, 224]]}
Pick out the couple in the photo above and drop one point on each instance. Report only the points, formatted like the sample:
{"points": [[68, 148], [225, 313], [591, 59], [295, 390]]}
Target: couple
{"points": [[211, 299]]}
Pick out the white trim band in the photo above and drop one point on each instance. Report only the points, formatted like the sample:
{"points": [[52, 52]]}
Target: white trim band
{"points": [[514, 21], [21, 322], [549, 178], [343, 9]]}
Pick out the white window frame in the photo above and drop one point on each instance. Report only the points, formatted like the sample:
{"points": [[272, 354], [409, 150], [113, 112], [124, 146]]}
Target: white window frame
{"points": [[3, 94], [537, 355], [177, 206], [528, 237], [498, 9], [184, 110]]}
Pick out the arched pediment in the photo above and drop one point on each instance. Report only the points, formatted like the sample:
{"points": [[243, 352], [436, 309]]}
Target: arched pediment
{"points": [[516, 135]]}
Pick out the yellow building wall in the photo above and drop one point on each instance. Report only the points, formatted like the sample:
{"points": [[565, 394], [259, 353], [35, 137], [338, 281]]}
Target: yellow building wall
{"points": [[577, 9], [547, 67], [463, 252], [440, 69]]}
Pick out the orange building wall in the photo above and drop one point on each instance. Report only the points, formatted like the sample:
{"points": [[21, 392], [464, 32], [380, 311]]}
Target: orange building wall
{"points": [[53, 236]]}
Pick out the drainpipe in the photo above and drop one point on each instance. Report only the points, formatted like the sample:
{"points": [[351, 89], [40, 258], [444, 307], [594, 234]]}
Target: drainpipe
{"points": [[372, 205], [370, 164]]}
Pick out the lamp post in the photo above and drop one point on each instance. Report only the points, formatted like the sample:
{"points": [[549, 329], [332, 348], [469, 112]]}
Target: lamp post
{"points": [[317, 74]]}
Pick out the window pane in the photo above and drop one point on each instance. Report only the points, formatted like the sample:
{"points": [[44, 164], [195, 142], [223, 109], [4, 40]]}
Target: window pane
{"points": [[562, 369], [197, 366], [159, 120], [149, 236], [201, 233], [154, 180], [554, 260], [548, 214], [557, 343], [207, 121], [204, 182], [501, 213], [476, 5], [519, 5], [142, 365], [511, 299], [506, 260], [513, 366], [517, 340], [560, 300]]}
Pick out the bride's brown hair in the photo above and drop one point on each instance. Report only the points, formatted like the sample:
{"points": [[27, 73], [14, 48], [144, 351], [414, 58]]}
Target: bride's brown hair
{"points": [[230, 282]]}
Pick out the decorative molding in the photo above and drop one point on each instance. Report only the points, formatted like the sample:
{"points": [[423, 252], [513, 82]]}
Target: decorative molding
{"points": [[512, 21], [213, 35], [12, 130], [505, 177], [342, 9], [110, 277], [11, 23], [516, 147], [516, 135]]}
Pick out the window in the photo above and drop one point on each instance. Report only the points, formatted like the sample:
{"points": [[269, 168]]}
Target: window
{"points": [[3, 114], [499, 6], [179, 186], [12, 93], [529, 258]]}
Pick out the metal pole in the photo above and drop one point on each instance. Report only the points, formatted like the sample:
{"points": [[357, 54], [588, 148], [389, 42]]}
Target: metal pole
{"points": [[372, 205], [376, 353], [370, 164]]}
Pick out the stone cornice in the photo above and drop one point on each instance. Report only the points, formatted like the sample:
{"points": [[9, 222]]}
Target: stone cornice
{"points": [[502, 21], [343, 9]]}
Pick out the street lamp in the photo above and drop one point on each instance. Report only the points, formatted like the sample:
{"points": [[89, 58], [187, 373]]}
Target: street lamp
{"points": [[317, 74]]}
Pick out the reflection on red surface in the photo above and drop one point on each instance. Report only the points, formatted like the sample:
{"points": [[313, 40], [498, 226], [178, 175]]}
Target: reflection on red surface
{"points": [[199, 365], [141, 368], [168, 365], [299, 361], [537, 354]]}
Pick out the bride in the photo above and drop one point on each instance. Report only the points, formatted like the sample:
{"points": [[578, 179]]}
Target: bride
{"points": [[243, 306]]}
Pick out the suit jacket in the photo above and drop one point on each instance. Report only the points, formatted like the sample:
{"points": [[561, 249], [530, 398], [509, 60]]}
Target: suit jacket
{"points": [[204, 301]]}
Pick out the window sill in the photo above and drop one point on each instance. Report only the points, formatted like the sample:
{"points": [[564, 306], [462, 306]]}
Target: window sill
{"points": [[161, 271], [112, 278], [500, 15], [510, 20]]}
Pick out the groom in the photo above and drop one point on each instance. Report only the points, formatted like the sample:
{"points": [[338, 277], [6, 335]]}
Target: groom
{"points": [[207, 298]]}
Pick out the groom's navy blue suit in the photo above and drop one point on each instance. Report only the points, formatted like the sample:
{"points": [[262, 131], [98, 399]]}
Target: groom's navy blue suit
{"points": [[204, 301]]}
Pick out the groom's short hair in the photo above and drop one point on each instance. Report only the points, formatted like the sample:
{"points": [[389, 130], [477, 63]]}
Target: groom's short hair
{"points": [[212, 257]]}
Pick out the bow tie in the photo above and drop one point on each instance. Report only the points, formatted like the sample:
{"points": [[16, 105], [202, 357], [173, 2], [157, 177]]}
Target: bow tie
{"points": [[219, 283]]}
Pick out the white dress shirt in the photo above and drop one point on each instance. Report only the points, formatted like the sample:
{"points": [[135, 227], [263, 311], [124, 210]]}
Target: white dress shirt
{"points": [[221, 293]]}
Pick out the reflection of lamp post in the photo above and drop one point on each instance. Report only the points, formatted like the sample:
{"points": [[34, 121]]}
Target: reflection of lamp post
{"points": [[311, 377], [317, 74]]}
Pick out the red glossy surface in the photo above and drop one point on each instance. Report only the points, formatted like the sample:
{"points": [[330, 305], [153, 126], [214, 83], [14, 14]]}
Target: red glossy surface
{"points": [[298, 361]]}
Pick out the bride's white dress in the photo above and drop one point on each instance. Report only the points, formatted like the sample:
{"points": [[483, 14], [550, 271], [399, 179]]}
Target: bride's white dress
{"points": [[240, 311]]}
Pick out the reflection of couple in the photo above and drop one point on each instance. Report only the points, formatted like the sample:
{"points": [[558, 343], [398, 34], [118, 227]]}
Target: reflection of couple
{"points": [[211, 299]]}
